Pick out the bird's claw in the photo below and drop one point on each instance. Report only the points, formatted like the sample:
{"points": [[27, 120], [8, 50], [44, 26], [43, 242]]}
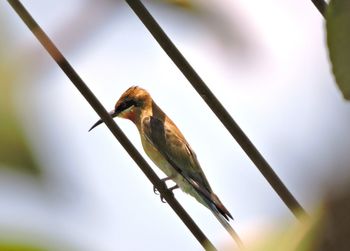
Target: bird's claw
{"points": [[171, 191], [155, 190], [162, 199]]}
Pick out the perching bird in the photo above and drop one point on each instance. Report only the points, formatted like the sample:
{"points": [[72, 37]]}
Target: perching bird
{"points": [[167, 148]]}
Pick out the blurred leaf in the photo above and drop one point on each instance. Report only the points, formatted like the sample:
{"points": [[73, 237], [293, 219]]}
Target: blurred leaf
{"points": [[335, 231], [338, 36], [18, 247], [299, 237], [186, 4], [225, 27], [327, 229], [14, 149]]}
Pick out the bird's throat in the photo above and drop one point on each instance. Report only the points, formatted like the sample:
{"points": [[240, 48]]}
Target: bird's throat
{"points": [[129, 115]]}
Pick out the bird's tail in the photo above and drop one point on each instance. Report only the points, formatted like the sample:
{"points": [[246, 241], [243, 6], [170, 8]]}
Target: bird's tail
{"points": [[214, 199], [217, 209]]}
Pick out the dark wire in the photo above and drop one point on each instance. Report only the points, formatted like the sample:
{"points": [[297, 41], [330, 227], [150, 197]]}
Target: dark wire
{"points": [[215, 105], [321, 5]]}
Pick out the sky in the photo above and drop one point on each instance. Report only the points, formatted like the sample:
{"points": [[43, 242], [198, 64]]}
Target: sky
{"points": [[271, 73]]}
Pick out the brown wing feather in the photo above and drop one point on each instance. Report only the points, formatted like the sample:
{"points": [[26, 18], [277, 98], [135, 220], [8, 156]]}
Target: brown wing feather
{"points": [[166, 137]]}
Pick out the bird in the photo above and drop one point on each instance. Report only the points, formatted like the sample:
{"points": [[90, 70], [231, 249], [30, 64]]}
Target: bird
{"points": [[166, 146]]}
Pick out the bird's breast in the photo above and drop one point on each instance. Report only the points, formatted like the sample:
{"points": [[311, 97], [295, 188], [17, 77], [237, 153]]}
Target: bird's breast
{"points": [[157, 158], [165, 166]]}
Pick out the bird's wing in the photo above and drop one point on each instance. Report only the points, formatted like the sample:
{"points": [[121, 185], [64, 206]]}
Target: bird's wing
{"points": [[168, 140]]}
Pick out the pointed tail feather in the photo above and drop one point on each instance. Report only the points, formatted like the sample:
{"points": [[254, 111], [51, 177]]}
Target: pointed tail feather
{"points": [[222, 219], [220, 207], [211, 199]]}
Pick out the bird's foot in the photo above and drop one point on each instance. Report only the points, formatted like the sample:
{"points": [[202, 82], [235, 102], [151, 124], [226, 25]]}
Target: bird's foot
{"points": [[171, 190], [155, 190]]}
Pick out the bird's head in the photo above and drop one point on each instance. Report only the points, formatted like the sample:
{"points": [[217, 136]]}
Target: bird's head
{"points": [[130, 105]]}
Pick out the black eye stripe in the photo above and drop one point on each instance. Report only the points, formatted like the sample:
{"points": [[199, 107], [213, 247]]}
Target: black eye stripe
{"points": [[125, 105], [129, 103]]}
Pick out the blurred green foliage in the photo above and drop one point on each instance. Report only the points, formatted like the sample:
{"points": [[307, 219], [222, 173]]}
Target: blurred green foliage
{"points": [[338, 37], [15, 151], [299, 237], [328, 228], [224, 28], [186, 4], [18, 247]]}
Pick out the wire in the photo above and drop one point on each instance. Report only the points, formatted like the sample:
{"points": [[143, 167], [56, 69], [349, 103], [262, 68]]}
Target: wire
{"points": [[215, 105], [321, 5]]}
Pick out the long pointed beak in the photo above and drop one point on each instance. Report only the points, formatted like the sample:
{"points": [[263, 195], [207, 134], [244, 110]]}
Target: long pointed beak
{"points": [[112, 113]]}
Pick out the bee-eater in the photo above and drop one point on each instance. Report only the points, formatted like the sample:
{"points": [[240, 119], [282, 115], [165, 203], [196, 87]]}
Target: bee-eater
{"points": [[167, 148]]}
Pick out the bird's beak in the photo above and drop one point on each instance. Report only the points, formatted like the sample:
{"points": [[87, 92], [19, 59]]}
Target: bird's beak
{"points": [[112, 113]]}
